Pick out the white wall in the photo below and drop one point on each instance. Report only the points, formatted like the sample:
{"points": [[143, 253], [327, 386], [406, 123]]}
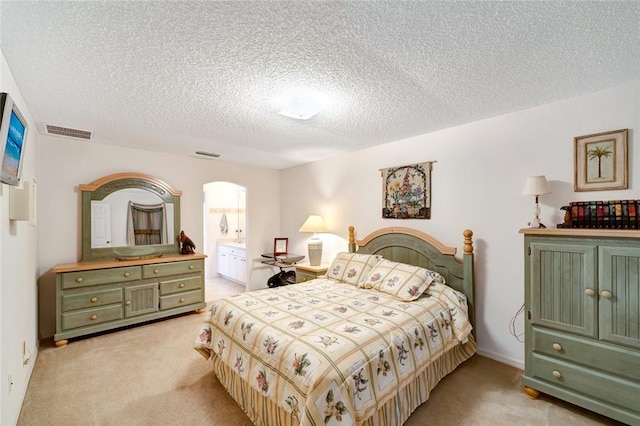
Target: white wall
{"points": [[63, 164], [18, 258], [476, 183]]}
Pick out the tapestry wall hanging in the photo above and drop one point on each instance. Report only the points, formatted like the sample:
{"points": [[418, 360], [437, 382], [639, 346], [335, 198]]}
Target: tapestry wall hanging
{"points": [[407, 191]]}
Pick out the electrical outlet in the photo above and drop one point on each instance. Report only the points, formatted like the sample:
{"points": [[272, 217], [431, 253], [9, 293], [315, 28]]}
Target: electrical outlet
{"points": [[26, 355]]}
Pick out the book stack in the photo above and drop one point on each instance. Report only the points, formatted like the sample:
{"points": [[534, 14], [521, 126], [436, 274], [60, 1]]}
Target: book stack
{"points": [[613, 214]]}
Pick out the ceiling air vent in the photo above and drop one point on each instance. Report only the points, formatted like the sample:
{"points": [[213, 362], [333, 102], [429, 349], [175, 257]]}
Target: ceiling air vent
{"points": [[67, 132], [208, 154]]}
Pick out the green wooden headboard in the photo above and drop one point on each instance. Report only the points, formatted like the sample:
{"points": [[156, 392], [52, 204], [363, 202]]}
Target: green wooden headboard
{"points": [[413, 247]]}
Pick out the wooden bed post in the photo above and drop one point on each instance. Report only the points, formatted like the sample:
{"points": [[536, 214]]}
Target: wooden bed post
{"points": [[467, 259], [352, 240]]}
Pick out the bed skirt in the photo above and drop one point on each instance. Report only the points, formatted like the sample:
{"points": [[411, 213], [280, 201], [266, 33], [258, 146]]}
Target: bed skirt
{"points": [[264, 412]]}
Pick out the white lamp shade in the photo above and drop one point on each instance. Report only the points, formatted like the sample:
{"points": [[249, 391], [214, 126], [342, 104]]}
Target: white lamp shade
{"points": [[536, 185], [314, 223]]}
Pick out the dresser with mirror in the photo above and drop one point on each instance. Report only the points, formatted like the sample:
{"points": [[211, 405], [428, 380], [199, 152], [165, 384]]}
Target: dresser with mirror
{"points": [[131, 269]]}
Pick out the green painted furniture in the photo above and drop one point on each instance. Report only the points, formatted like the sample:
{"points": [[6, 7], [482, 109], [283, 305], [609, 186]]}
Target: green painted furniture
{"points": [[117, 286], [118, 184], [582, 324], [103, 295]]}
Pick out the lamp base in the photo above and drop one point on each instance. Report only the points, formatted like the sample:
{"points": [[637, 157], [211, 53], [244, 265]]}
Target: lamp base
{"points": [[535, 223], [315, 251]]}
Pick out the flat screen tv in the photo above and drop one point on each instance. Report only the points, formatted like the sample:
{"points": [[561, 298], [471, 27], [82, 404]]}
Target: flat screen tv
{"points": [[13, 138]]}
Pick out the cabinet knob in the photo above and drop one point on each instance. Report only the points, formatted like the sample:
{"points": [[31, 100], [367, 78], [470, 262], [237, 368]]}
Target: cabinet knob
{"points": [[181, 285], [126, 274], [127, 303], [94, 317], [182, 300], [590, 292], [556, 374], [94, 299], [190, 266], [557, 346], [606, 294], [155, 271], [79, 279]]}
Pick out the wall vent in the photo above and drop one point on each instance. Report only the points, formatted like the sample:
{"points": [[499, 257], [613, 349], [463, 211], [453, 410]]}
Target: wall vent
{"points": [[67, 132]]}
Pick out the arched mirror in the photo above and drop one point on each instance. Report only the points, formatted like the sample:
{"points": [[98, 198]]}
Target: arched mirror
{"points": [[129, 215]]}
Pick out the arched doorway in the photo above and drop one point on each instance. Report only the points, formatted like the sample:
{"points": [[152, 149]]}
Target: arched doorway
{"points": [[225, 226]]}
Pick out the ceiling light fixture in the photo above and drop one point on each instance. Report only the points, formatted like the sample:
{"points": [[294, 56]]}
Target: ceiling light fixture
{"points": [[300, 103]]}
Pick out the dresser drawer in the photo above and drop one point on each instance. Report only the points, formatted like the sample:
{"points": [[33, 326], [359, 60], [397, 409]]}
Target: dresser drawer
{"points": [[184, 284], [180, 299], [91, 299], [89, 317], [586, 381], [617, 360], [100, 276], [173, 268]]}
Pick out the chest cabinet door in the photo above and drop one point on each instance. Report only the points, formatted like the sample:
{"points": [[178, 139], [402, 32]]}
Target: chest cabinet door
{"points": [[140, 299], [619, 295], [563, 291]]}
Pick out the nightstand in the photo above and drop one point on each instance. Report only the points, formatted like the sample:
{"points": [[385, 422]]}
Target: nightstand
{"points": [[306, 272]]}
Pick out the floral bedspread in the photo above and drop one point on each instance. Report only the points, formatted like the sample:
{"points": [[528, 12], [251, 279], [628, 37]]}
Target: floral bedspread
{"points": [[329, 352]]}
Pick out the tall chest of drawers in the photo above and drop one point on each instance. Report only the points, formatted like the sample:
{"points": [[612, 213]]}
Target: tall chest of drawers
{"points": [[92, 297], [582, 323]]}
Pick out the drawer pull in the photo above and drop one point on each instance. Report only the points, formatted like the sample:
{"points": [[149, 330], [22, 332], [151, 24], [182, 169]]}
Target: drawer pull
{"points": [[556, 374], [127, 303], [94, 317], [79, 279], [589, 292], [606, 294], [557, 346], [126, 274], [155, 271], [190, 266], [181, 285], [182, 300], [94, 299]]}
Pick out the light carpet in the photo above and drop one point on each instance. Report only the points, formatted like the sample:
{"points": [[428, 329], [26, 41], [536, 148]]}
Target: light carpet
{"points": [[150, 375]]}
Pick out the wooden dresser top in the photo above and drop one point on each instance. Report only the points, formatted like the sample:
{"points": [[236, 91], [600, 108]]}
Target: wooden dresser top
{"points": [[104, 264]]}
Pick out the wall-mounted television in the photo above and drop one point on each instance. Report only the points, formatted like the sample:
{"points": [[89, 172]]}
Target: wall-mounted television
{"points": [[13, 138]]}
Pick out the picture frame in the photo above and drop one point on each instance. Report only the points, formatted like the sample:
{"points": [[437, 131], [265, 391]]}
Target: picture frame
{"points": [[600, 161], [280, 246]]}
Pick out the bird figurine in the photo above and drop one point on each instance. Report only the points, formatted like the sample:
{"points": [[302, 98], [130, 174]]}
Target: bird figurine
{"points": [[188, 247]]}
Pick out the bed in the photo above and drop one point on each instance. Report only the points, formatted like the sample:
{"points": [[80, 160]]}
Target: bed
{"points": [[364, 344]]}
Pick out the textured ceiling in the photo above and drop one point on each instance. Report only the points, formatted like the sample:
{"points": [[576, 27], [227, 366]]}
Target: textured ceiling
{"points": [[186, 76]]}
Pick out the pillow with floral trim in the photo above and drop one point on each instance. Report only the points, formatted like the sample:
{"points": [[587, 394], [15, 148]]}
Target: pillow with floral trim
{"points": [[406, 282], [352, 267]]}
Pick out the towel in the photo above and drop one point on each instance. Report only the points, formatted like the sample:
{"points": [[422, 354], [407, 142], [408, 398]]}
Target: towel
{"points": [[224, 228]]}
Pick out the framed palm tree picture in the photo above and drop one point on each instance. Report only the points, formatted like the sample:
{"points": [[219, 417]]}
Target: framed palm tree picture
{"points": [[600, 161]]}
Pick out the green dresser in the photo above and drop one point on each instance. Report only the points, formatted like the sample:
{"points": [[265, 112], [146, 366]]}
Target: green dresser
{"points": [[582, 324], [97, 296]]}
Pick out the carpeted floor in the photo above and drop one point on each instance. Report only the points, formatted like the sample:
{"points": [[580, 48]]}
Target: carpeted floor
{"points": [[150, 375]]}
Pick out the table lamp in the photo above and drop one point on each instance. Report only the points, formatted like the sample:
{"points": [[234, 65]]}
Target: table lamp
{"points": [[315, 224], [536, 185]]}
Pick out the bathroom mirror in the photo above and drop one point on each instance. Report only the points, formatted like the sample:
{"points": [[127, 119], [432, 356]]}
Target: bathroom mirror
{"points": [[129, 215]]}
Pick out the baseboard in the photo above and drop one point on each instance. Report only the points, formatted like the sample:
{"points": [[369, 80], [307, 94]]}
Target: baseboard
{"points": [[501, 358]]}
